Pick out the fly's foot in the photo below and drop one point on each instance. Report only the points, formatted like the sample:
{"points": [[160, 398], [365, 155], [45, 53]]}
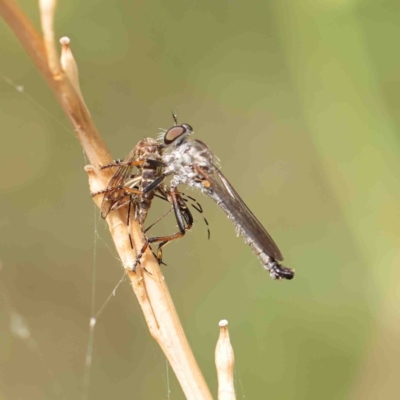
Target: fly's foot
{"points": [[160, 261]]}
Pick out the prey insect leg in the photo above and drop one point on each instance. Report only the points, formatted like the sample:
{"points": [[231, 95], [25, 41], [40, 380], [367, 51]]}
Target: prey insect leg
{"points": [[122, 163]]}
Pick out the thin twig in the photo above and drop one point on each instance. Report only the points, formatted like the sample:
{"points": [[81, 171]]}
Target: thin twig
{"points": [[150, 288]]}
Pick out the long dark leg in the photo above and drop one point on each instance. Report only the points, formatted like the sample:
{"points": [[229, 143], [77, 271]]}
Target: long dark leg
{"points": [[184, 220], [197, 206], [183, 217]]}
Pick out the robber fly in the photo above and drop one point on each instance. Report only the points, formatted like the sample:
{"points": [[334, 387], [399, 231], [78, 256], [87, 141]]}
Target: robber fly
{"points": [[130, 189], [191, 162]]}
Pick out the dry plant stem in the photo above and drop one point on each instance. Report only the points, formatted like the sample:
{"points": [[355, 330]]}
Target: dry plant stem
{"points": [[74, 108], [150, 289], [225, 362], [47, 10], [155, 300]]}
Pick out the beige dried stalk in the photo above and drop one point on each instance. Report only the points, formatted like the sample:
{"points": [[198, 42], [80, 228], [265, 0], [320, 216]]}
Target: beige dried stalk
{"points": [[149, 288], [225, 363]]}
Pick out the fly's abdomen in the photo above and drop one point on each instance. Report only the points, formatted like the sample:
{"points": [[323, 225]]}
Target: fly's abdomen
{"points": [[275, 269], [249, 229]]}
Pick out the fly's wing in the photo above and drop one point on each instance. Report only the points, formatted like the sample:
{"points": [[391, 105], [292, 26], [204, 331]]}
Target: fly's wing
{"points": [[242, 216], [115, 188]]}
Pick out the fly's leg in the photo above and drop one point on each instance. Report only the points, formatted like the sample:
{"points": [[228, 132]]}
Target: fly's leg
{"points": [[197, 206], [184, 220]]}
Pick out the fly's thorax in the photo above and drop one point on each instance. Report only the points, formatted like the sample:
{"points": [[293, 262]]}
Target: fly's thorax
{"points": [[182, 161], [188, 153], [201, 155]]}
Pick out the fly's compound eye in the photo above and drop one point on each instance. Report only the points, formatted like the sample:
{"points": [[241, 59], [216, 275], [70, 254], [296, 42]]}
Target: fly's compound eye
{"points": [[177, 132]]}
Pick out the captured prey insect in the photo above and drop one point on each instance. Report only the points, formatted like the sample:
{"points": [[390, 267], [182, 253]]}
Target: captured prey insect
{"points": [[191, 162], [125, 188], [124, 185]]}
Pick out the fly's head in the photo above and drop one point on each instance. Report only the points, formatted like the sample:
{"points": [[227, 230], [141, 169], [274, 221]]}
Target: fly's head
{"points": [[176, 135]]}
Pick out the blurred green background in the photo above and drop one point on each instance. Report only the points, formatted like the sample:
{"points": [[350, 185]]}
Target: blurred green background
{"points": [[300, 102]]}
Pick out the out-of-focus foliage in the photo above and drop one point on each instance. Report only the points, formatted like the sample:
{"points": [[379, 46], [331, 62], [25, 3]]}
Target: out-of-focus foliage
{"points": [[300, 102]]}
